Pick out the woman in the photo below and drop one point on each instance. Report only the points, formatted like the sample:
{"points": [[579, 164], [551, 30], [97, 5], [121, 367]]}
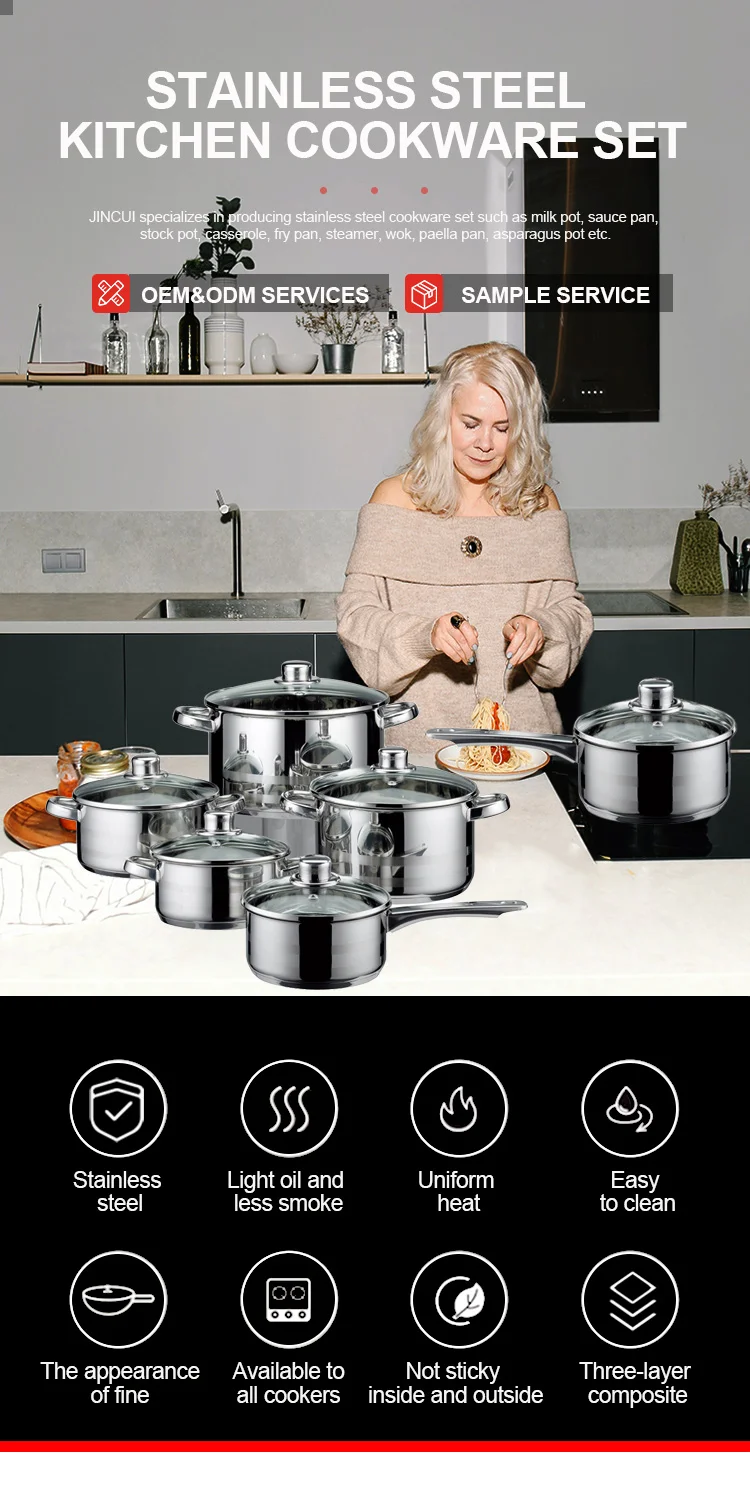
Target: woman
{"points": [[469, 531]]}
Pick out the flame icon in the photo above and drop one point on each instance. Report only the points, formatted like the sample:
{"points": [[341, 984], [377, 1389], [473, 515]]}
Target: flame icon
{"points": [[460, 1110], [626, 1111], [293, 1121]]}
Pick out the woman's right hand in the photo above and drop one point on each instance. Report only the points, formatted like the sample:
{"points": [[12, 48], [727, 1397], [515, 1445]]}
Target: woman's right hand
{"points": [[459, 644]]}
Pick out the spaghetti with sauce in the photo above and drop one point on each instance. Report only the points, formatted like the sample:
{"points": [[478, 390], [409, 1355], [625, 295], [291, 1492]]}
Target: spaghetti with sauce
{"points": [[478, 757]]}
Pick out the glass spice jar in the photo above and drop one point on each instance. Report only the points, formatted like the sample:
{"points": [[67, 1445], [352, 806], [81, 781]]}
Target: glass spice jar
{"points": [[69, 758]]}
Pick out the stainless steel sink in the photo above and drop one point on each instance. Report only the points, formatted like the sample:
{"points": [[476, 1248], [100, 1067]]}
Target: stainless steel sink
{"points": [[231, 608], [630, 604]]}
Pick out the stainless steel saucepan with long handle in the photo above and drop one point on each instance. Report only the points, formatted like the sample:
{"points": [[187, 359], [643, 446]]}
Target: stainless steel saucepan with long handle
{"points": [[643, 761], [314, 930]]}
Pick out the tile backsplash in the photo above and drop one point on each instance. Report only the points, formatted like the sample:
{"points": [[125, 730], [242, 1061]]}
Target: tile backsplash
{"points": [[293, 550]]}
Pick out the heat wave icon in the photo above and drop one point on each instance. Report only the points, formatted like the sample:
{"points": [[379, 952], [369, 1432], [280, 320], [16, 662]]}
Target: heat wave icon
{"points": [[296, 1122]]}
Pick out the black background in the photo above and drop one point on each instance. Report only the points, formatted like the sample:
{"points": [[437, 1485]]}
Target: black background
{"points": [[542, 1226]]}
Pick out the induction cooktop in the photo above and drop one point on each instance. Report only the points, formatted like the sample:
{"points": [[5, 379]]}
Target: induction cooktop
{"points": [[725, 837]]}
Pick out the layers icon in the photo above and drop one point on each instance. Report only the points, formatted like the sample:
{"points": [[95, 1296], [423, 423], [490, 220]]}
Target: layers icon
{"points": [[633, 1301]]}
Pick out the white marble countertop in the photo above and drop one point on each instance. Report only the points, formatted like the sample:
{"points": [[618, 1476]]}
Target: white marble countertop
{"points": [[118, 612], [591, 929]]}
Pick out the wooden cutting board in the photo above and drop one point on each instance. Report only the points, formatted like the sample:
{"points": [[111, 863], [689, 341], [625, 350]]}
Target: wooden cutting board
{"points": [[28, 824]]}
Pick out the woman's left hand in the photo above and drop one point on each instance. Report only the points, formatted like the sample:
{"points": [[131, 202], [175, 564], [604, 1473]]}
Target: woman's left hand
{"points": [[524, 638]]}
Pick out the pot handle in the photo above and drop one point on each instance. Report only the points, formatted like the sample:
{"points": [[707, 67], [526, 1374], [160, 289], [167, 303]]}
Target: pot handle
{"points": [[197, 718], [556, 746], [63, 809], [485, 805], [395, 713], [146, 867], [301, 802], [407, 913]]}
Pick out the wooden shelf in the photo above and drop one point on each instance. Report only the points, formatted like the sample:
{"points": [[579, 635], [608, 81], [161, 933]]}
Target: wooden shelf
{"points": [[202, 379]]}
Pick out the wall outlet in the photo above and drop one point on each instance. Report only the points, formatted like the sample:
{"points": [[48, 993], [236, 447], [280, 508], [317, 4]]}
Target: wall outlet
{"points": [[63, 560]]}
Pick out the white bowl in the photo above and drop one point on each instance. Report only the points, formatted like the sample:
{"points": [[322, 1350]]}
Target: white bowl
{"points": [[296, 363]]}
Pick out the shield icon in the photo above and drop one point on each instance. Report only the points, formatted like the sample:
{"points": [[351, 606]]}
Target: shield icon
{"points": [[116, 1108]]}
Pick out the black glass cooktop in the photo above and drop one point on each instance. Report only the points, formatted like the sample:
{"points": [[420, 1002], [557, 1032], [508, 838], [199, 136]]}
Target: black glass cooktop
{"points": [[725, 837]]}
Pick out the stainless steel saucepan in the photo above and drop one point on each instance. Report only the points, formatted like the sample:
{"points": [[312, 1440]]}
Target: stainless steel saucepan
{"points": [[408, 830], [318, 931], [261, 733], [641, 761], [200, 880]]}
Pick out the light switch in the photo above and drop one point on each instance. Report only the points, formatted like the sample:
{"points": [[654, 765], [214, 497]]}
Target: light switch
{"points": [[63, 560]]}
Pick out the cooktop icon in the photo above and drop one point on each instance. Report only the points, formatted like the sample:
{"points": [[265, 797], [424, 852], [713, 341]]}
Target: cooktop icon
{"points": [[630, 1108], [277, 1299], [118, 1108], [459, 1108], [288, 1299]]}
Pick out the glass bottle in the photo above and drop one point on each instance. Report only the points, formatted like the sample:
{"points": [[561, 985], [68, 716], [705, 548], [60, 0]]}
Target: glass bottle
{"points": [[157, 347], [115, 346], [392, 360], [190, 340]]}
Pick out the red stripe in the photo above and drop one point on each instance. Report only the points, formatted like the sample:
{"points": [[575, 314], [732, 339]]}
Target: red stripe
{"points": [[292, 1447]]}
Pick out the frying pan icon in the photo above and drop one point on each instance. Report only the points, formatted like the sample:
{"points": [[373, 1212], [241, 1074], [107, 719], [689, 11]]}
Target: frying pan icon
{"points": [[109, 1301]]}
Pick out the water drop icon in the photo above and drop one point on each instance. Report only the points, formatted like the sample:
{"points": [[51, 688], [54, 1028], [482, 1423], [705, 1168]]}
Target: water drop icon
{"points": [[626, 1102]]}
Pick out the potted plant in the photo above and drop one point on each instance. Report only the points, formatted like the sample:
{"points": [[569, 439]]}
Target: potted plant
{"points": [[696, 564], [222, 251], [337, 330]]}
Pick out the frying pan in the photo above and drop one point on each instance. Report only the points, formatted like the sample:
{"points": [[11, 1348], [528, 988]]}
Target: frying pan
{"points": [[109, 1301]]}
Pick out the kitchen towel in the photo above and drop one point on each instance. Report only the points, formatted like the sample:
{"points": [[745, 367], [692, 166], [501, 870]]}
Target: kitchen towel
{"points": [[50, 888]]}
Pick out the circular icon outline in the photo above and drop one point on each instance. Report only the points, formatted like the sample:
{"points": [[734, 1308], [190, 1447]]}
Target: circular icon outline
{"points": [[447, 1064], [131, 1255], [308, 1150], [468, 1255], [106, 1063], [642, 1063], [616, 1256], [272, 1342]]}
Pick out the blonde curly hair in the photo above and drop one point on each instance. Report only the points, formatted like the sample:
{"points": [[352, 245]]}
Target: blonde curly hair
{"points": [[519, 486]]}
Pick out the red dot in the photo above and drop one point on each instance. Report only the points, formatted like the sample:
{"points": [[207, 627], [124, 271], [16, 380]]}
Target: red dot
{"points": [[373, 190], [324, 189], [424, 189]]}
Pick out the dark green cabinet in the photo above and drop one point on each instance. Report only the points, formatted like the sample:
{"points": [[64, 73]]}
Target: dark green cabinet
{"points": [[722, 675], [333, 660], [161, 673], [614, 662], [60, 687]]}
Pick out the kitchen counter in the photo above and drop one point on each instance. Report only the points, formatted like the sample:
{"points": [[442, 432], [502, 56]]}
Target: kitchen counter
{"points": [[591, 929], [117, 612]]}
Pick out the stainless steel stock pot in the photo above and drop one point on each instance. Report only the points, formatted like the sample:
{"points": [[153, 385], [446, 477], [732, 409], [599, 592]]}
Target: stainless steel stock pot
{"points": [[408, 830], [261, 733]]}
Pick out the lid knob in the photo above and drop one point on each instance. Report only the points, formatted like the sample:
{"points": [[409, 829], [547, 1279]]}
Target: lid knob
{"points": [[147, 766], [220, 813], [296, 672], [393, 758], [315, 871], [655, 695]]}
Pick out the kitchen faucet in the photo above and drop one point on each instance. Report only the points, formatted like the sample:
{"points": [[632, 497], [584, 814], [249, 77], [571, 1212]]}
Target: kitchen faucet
{"points": [[230, 512]]}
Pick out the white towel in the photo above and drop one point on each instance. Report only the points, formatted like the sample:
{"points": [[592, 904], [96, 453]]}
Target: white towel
{"points": [[50, 888]]}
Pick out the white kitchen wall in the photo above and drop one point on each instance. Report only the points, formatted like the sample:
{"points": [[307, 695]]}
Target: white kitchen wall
{"points": [[166, 449]]}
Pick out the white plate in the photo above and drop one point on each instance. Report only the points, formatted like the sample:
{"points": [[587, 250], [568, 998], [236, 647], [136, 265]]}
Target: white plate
{"points": [[448, 757]]}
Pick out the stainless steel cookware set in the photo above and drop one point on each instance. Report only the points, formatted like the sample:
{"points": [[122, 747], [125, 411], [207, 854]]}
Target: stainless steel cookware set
{"points": [[355, 840]]}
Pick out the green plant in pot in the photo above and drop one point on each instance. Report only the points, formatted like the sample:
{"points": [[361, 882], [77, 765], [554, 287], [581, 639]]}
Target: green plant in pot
{"points": [[696, 563], [220, 254], [337, 330]]}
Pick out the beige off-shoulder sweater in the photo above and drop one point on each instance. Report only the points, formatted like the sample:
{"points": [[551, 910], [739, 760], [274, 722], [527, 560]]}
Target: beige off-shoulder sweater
{"points": [[408, 567]]}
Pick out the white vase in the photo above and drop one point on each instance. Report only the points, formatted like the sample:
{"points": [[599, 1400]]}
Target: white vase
{"points": [[224, 342], [263, 354]]}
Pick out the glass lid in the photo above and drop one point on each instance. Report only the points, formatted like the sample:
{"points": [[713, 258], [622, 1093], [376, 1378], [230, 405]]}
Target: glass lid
{"points": [[143, 787], [315, 891], [656, 718], [222, 847], [394, 785], [296, 691]]}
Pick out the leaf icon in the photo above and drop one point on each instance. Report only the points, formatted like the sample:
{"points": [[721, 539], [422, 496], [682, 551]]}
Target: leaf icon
{"points": [[468, 1303]]}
